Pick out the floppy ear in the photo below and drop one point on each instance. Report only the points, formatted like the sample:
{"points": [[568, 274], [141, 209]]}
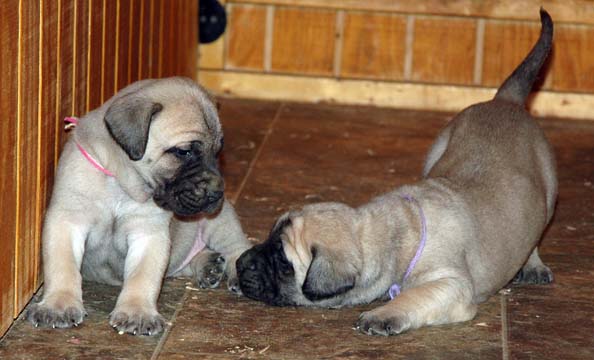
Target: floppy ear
{"points": [[128, 120], [327, 277]]}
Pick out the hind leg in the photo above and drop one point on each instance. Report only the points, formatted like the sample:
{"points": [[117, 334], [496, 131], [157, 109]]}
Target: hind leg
{"points": [[437, 149], [534, 271]]}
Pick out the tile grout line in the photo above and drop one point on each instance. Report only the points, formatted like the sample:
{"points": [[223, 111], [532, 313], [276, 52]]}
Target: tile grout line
{"points": [[258, 152], [409, 39], [268, 38], [167, 331], [338, 43], [504, 329], [479, 52]]}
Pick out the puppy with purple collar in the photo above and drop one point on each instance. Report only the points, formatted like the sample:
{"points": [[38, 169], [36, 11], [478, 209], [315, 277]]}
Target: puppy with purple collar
{"points": [[438, 247]]}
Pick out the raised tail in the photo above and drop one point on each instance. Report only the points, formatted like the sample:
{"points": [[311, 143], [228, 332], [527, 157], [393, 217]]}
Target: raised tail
{"points": [[519, 84]]}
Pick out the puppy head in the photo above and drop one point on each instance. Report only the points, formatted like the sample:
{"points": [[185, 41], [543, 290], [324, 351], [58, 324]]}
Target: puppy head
{"points": [[170, 133], [310, 257]]}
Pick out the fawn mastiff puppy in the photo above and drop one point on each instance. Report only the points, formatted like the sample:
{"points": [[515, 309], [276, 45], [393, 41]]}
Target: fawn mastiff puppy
{"points": [[146, 154], [437, 247]]}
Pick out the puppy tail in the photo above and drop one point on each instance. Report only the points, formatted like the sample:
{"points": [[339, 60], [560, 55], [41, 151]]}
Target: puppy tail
{"points": [[519, 84]]}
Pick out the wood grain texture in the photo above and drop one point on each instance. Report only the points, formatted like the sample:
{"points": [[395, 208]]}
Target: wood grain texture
{"points": [[573, 59], [505, 45], [134, 38], [26, 150], [246, 31], [391, 94], [444, 50], [109, 48], [47, 119], [9, 21], [303, 41], [574, 11], [94, 53], [61, 58], [123, 44], [65, 81], [80, 57], [374, 46]]}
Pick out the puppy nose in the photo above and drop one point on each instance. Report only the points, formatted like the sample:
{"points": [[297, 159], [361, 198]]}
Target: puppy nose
{"points": [[214, 196]]}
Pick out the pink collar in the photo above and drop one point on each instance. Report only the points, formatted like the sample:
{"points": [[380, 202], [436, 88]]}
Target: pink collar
{"points": [[71, 122]]}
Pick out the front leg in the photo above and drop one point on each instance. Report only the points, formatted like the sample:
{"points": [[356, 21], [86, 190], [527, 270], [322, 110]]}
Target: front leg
{"points": [[436, 302], [63, 249], [224, 235], [146, 261]]}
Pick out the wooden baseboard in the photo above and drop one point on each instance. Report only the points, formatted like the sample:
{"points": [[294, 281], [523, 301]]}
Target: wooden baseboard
{"points": [[384, 94]]}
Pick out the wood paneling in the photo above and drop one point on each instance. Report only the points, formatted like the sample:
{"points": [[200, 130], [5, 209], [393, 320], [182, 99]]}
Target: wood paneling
{"points": [[573, 60], [80, 57], [27, 151], [95, 69], [303, 41], [246, 31], [61, 58], [9, 21], [374, 46], [505, 46], [444, 50], [576, 11], [109, 33]]}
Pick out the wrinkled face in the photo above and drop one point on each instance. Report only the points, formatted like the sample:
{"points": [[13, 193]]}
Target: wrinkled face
{"points": [[171, 132], [309, 258]]}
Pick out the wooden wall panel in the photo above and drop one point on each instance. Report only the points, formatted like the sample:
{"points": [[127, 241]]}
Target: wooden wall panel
{"points": [[9, 21], [505, 45], [27, 144], [94, 68], [123, 44], [48, 101], [373, 46], [134, 38], [80, 52], [303, 41], [157, 37], [444, 50], [65, 81], [109, 34], [246, 31], [61, 58], [573, 62]]}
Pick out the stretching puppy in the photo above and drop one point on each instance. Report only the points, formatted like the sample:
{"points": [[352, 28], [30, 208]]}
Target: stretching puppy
{"points": [[438, 247]]}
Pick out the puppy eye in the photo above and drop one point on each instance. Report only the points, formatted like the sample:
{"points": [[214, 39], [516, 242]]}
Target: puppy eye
{"points": [[181, 153]]}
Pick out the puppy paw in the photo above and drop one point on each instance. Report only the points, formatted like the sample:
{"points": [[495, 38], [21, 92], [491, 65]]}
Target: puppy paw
{"points": [[137, 322], [372, 324], [59, 314], [539, 275], [233, 285], [212, 271]]}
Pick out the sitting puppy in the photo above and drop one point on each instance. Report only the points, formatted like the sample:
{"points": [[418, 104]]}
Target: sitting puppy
{"points": [[146, 154], [437, 247]]}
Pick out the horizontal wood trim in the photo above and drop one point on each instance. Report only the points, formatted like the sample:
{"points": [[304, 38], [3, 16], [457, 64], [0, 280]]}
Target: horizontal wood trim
{"points": [[385, 94], [571, 11]]}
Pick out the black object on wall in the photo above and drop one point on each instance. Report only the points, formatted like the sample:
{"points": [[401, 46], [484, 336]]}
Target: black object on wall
{"points": [[212, 20]]}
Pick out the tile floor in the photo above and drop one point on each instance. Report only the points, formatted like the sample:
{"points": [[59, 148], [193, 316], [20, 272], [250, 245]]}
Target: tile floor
{"points": [[281, 155]]}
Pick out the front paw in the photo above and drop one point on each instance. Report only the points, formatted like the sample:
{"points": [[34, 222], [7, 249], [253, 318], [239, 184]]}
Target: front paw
{"points": [[539, 275], [61, 313], [211, 272], [371, 323], [137, 322], [233, 285]]}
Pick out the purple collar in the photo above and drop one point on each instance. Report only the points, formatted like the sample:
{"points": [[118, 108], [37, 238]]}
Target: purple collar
{"points": [[395, 288]]}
